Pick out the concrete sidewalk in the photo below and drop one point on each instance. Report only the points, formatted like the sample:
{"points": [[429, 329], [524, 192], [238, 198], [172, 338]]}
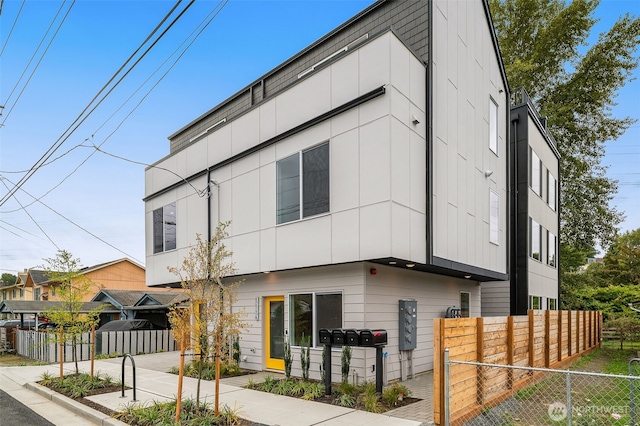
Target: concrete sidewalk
{"points": [[153, 383]]}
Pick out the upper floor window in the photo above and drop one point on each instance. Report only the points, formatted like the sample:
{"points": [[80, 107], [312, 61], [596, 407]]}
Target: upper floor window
{"points": [[493, 126], [535, 175], [164, 228], [551, 191], [551, 250], [494, 217], [535, 240], [302, 184]]}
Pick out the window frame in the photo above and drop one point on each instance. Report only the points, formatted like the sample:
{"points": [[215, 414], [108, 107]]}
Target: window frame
{"points": [[533, 298], [494, 220], [314, 315], [552, 262], [465, 312], [549, 303], [494, 134], [531, 240], [552, 198], [537, 188], [164, 227], [302, 206]]}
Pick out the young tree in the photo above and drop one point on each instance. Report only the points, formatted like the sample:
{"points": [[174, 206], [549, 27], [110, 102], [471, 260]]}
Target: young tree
{"points": [[544, 48], [210, 299], [64, 271]]}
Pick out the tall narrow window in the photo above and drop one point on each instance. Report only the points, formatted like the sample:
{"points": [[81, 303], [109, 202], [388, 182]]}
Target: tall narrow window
{"points": [[535, 177], [535, 237], [535, 302], [464, 304], [551, 191], [494, 217], [164, 228], [552, 304], [551, 250], [493, 126], [302, 179]]}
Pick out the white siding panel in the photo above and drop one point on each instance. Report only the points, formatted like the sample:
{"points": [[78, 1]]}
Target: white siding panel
{"points": [[375, 231], [267, 120], [400, 163], [267, 249], [303, 101], [246, 252], [267, 195], [345, 236], [196, 159], [344, 80], [219, 144], [418, 237], [374, 162], [374, 69], [418, 167], [245, 131], [345, 176], [400, 61], [246, 202], [345, 122], [316, 249], [400, 232]]}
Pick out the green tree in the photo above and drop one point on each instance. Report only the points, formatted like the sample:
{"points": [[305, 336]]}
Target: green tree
{"points": [[544, 44], [73, 287], [621, 263], [9, 279], [211, 298]]}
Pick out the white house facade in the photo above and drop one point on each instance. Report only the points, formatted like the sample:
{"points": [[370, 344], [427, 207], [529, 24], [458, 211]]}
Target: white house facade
{"points": [[369, 169]]}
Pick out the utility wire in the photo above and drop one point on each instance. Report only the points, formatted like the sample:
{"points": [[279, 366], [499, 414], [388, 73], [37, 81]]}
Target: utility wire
{"points": [[204, 23], [12, 27], [82, 117], [33, 220], [75, 224], [6, 102]]}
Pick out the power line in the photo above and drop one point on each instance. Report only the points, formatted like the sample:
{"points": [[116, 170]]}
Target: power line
{"points": [[82, 116], [39, 61], [75, 224], [12, 27]]}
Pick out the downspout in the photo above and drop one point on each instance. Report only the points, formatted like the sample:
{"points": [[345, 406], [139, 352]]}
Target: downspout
{"points": [[430, 138], [514, 229]]}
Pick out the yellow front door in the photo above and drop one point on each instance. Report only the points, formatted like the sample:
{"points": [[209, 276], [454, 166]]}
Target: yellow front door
{"points": [[274, 332]]}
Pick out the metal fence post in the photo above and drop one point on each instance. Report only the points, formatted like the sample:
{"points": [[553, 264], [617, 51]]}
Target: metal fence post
{"points": [[446, 387], [568, 397]]}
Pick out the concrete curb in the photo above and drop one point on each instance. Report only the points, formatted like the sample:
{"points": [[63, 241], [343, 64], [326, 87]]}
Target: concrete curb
{"points": [[75, 407]]}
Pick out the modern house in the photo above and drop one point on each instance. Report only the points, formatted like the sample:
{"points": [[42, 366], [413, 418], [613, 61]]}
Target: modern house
{"points": [[367, 173]]}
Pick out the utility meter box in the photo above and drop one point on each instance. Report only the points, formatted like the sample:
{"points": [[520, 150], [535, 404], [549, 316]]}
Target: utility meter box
{"points": [[408, 335]]}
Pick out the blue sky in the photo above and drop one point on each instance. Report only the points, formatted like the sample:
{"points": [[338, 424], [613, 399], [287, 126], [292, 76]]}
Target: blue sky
{"points": [[97, 213]]}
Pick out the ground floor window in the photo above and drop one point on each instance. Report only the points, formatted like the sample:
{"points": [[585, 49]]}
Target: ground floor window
{"points": [[465, 297], [552, 304], [535, 302], [309, 312]]}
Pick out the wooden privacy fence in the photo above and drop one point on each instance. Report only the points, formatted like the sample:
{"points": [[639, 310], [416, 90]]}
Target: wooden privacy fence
{"points": [[542, 339], [44, 347]]}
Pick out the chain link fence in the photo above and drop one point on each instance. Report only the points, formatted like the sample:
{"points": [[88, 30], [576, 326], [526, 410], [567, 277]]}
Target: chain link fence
{"points": [[519, 395]]}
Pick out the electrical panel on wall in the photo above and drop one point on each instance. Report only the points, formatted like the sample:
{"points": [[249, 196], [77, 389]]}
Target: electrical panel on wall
{"points": [[408, 324]]}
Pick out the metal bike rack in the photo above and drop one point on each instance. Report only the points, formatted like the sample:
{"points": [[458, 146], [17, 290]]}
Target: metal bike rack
{"points": [[133, 364]]}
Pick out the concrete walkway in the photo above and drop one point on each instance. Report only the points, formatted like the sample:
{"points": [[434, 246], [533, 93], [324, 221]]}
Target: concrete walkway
{"points": [[153, 383]]}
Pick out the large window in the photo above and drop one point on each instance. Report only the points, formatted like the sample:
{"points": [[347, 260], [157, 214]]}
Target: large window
{"points": [[535, 240], [302, 184], [535, 175], [551, 249], [310, 312], [494, 217], [551, 191], [164, 228]]}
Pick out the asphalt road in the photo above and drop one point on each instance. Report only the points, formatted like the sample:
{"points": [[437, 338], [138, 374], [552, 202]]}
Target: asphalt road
{"points": [[14, 413]]}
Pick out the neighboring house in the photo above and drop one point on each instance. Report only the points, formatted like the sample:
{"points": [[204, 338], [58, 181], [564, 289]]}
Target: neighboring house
{"points": [[138, 304], [369, 169], [16, 291], [535, 218], [121, 274]]}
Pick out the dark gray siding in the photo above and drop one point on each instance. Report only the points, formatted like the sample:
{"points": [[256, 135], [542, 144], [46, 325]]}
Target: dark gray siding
{"points": [[408, 18]]}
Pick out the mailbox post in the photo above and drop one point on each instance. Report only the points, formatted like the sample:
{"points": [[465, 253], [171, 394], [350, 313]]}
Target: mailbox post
{"points": [[363, 338]]}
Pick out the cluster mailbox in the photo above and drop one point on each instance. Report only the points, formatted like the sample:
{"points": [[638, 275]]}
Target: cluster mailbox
{"points": [[351, 337]]}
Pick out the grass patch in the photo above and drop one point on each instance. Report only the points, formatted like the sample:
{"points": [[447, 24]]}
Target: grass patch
{"points": [[13, 360]]}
